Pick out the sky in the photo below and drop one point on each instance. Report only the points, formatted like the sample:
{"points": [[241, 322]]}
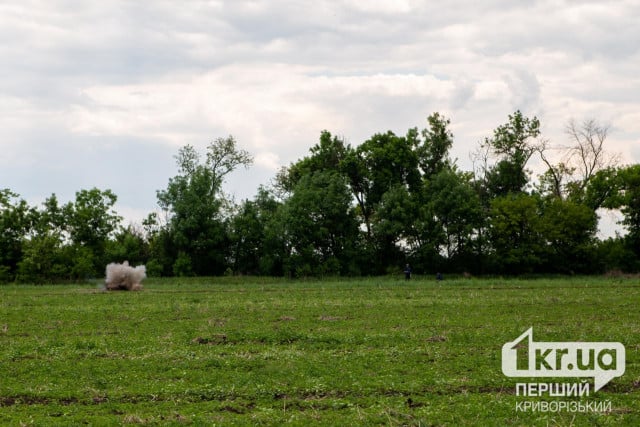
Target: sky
{"points": [[104, 93]]}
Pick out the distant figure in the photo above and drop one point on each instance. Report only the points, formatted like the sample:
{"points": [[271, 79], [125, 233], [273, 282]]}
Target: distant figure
{"points": [[438, 276], [407, 272]]}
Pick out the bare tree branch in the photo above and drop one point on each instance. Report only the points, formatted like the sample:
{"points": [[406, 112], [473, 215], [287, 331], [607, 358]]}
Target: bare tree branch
{"points": [[586, 152]]}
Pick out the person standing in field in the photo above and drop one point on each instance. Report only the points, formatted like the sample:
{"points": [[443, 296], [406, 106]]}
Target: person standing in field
{"points": [[407, 272]]}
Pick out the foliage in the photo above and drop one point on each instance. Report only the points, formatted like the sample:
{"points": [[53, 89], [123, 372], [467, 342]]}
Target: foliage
{"points": [[515, 233], [128, 244], [252, 248], [183, 265], [352, 210], [513, 143], [16, 220], [433, 153], [630, 203], [457, 209], [58, 242], [569, 231], [615, 255], [91, 219], [44, 260], [196, 240], [320, 226]]}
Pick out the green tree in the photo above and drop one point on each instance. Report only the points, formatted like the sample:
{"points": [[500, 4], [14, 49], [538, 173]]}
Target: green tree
{"points": [[515, 233], [249, 227], [128, 244], [513, 144], [629, 202], [395, 225], [327, 155], [433, 152], [45, 260], [614, 254], [16, 222], [91, 219], [382, 162], [457, 211], [52, 219], [321, 226], [387, 175], [602, 190], [197, 240], [569, 230], [162, 253], [46, 255], [69, 242]]}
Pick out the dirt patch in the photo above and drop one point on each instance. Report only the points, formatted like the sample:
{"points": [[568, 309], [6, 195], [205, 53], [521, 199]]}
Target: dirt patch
{"points": [[214, 340]]}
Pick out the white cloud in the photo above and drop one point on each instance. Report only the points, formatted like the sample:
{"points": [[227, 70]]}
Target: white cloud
{"points": [[266, 104], [382, 6], [268, 160], [274, 74]]}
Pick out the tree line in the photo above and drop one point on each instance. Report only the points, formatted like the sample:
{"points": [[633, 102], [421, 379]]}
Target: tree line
{"points": [[345, 210]]}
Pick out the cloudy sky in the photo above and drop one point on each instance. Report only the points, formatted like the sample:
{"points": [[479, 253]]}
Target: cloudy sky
{"points": [[103, 93]]}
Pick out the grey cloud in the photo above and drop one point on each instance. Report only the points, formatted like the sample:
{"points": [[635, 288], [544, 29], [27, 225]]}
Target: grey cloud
{"points": [[462, 93], [585, 30], [529, 55], [525, 90], [50, 161]]}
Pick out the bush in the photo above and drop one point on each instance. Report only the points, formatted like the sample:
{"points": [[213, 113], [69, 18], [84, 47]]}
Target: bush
{"points": [[154, 268], [183, 266], [83, 263], [128, 245], [43, 261], [616, 254], [5, 274]]}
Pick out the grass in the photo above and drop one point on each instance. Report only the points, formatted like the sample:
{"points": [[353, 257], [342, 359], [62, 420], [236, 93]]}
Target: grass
{"points": [[256, 351]]}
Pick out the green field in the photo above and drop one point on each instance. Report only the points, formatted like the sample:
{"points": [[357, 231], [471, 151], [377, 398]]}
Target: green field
{"points": [[271, 352]]}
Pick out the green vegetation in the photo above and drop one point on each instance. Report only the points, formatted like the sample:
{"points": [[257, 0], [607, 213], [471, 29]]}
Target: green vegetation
{"points": [[353, 211], [249, 351]]}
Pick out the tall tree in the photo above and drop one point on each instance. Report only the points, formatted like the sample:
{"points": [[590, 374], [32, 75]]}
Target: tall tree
{"points": [[91, 221], [397, 227], [48, 255], [193, 202], [629, 203], [515, 233], [91, 218], [377, 165], [569, 231], [583, 161], [327, 155], [251, 253], [587, 150], [16, 221], [70, 241], [128, 244], [433, 152], [321, 226], [457, 210], [513, 144]]}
